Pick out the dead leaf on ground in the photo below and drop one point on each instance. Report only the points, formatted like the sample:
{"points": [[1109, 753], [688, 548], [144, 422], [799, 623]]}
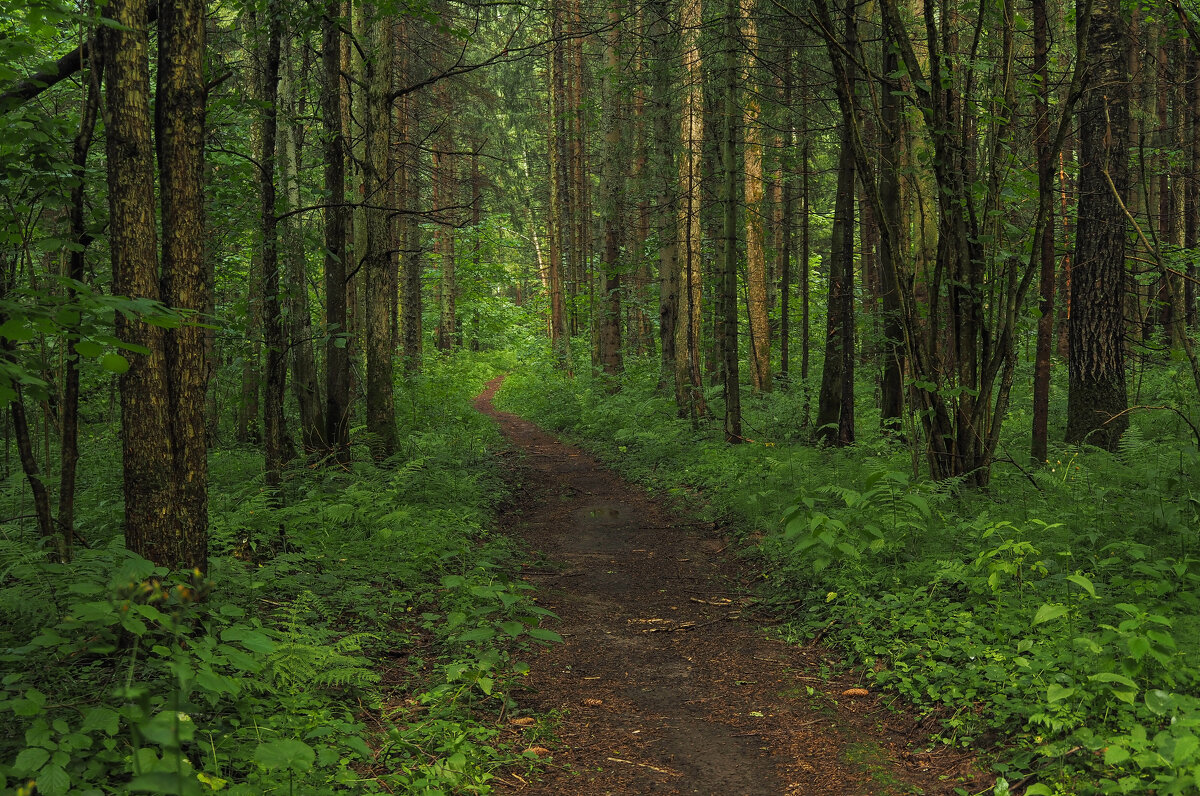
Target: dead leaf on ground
{"points": [[856, 692], [524, 721], [593, 702], [538, 750]]}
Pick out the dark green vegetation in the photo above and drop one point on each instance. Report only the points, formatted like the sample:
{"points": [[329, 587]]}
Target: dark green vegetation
{"points": [[361, 639], [245, 243], [1054, 617]]}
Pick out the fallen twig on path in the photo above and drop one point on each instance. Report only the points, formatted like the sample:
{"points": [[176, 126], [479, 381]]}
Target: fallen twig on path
{"points": [[668, 772]]}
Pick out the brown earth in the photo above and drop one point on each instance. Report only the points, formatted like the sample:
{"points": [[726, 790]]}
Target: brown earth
{"points": [[666, 683]]}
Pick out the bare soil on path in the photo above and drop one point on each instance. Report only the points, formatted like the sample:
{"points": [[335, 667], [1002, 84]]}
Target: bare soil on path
{"points": [[666, 684]]}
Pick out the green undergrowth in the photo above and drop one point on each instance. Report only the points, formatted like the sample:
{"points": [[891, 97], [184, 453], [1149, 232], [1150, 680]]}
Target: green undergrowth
{"points": [[363, 638], [1053, 619]]}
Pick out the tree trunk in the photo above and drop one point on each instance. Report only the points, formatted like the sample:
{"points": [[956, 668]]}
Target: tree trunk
{"points": [[668, 183], [835, 406], [1096, 399], [69, 455], [381, 414], [1045, 244], [729, 276], [756, 253], [303, 359], [612, 187], [337, 357], [688, 382], [275, 444], [559, 222]]}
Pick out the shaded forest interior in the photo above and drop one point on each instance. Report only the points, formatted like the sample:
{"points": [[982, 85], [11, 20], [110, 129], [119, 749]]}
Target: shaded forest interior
{"points": [[901, 297]]}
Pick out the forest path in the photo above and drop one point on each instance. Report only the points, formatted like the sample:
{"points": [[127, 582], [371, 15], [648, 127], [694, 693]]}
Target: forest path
{"points": [[662, 684]]}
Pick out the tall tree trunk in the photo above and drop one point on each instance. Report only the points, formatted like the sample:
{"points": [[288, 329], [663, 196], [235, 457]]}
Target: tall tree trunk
{"points": [[668, 182], [186, 280], [276, 446], [612, 188], [444, 181], [1096, 398], [303, 359], [688, 382], [1045, 243], [787, 212], [729, 281], [69, 454], [145, 436], [381, 413], [756, 250], [891, 200], [559, 221], [337, 357], [835, 407]]}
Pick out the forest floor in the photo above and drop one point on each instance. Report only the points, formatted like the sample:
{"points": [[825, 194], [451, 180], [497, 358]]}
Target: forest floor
{"points": [[667, 682]]}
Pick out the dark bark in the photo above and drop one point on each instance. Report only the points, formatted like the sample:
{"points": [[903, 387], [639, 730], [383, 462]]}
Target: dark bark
{"points": [[666, 175], [381, 414], [145, 439], [186, 281], [275, 445], [728, 302], [1096, 399], [835, 404], [69, 454], [337, 357], [1044, 245], [612, 187], [891, 351]]}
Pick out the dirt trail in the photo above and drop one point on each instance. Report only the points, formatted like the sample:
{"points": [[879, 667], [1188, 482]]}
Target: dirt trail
{"points": [[665, 684]]}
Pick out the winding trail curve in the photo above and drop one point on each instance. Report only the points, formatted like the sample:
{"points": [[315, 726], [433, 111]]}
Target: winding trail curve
{"points": [[665, 685]]}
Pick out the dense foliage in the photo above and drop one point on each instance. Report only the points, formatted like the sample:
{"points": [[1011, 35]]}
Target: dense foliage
{"points": [[1055, 615], [363, 637]]}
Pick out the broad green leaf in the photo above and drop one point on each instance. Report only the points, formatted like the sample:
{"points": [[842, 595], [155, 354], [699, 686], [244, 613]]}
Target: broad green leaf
{"points": [[1114, 755], [1038, 789], [114, 362], [102, 718], [1048, 612], [1159, 702], [513, 628], [31, 759], [1084, 583], [542, 634], [53, 781], [1185, 749], [88, 348], [478, 634], [1056, 692], [289, 753]]}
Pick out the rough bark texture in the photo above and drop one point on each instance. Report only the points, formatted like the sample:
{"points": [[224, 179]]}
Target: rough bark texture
{"points": [[146, 452], [303, 359], [186, 281], [687, 338], [1096, 396], [667, 177], [69, 453], [559, 223], [612, 186], [729, 276], [337, 357], [275, 444], [756, 250], [835, 406], [1045, 243], [381, 414]]}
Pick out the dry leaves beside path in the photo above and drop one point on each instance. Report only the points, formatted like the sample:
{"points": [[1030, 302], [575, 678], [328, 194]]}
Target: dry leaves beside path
{"points": [[665, 682]]}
